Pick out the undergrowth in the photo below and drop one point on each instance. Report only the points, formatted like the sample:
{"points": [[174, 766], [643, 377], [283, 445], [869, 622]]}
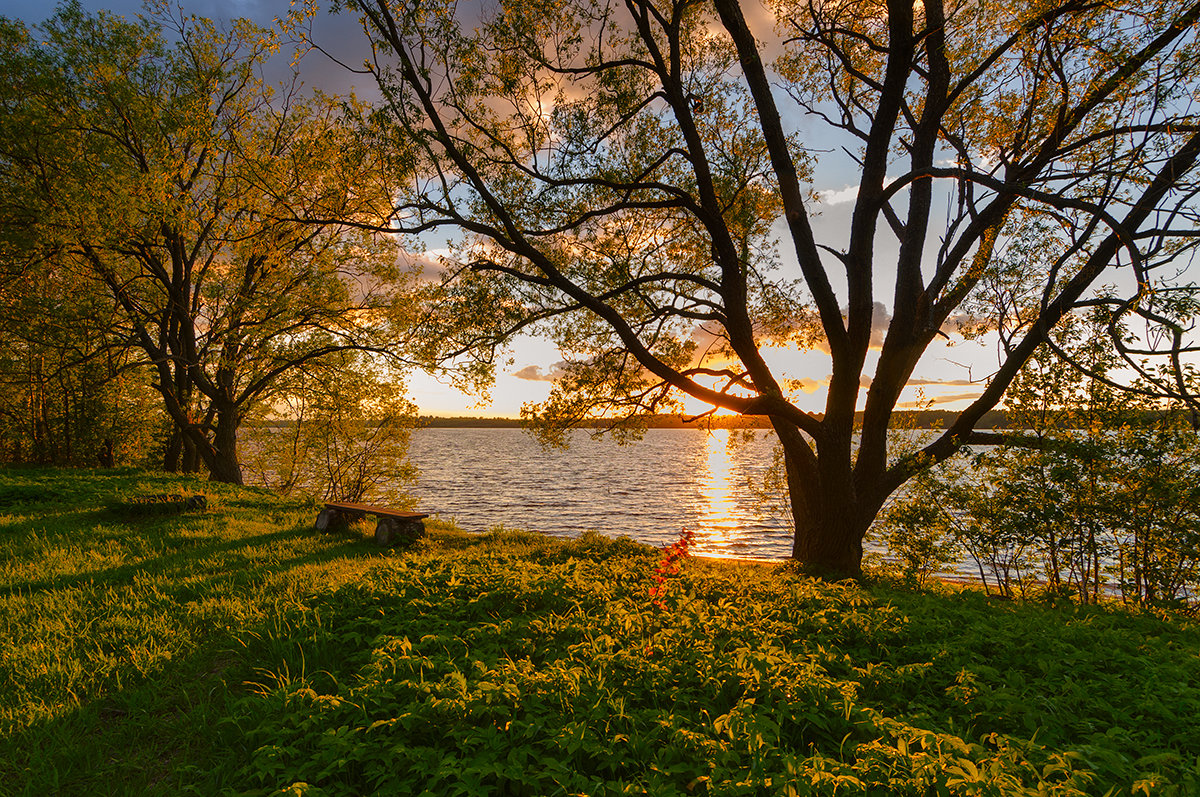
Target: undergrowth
{"points": [[235, 651]]}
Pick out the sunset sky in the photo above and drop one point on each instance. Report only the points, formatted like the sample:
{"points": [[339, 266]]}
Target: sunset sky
{"points": [[949, 375]]}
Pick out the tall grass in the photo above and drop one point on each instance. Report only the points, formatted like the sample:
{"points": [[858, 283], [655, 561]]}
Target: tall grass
{"points": [[235, 651]]}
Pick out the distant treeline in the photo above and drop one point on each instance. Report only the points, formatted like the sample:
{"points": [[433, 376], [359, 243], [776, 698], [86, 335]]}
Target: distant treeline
{"points": [[928, 419], [922, 419]]}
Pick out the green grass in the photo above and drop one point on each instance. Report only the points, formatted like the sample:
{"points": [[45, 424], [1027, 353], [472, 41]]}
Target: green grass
{"points": [[236, 651]]}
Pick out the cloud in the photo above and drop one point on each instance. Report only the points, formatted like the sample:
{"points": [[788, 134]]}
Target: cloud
{"points": [[430, 263], [839, 197], [965, 322], [706, 338], [811, 336], [711, 347], [533, 373], [946, 382], [880, 318], [952, 397], [806, 385], [934, 401], [842, 196]]}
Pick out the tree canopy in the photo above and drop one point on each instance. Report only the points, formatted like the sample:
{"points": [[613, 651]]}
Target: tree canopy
{"points": [[221, 218], [634, 180]]}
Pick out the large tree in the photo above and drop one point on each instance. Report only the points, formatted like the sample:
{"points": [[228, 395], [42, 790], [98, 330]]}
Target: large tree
{"points": [[620, 172], [221, 217]]}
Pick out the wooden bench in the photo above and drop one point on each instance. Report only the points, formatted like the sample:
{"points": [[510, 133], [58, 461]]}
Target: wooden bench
{"points": [[392, 524]]}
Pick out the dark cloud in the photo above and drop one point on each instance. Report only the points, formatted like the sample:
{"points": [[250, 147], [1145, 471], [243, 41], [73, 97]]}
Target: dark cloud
{"points": [[952, 397], [335, 67], [339, 36], [880, 318], [33, 13]]}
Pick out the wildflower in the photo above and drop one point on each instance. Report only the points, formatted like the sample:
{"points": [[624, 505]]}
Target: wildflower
{"points": [[669, 566]]}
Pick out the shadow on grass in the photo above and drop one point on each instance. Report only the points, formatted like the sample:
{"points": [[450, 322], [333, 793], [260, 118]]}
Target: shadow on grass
{"points": [[160, 729], [179, 561]]}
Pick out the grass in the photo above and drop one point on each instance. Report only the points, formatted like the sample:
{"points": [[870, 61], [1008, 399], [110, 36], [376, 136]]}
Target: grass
{"points": [[234, 651]]}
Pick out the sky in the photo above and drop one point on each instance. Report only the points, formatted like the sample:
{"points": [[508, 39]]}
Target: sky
{"points": [[950, 374]]}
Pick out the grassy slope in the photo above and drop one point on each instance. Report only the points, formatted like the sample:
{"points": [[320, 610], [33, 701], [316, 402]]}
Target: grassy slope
{"points": [[236, 651]]}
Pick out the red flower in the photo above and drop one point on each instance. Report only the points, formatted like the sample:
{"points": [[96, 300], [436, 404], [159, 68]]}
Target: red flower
{"points": [[669, 566]]}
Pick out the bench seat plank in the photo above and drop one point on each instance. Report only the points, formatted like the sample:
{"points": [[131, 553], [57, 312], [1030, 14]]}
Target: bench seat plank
{"points": [[380, 511], [393, 525]]}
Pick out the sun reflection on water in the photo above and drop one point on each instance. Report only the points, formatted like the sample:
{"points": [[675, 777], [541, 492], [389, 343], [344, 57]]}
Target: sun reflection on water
{"points": [[719, 482]]}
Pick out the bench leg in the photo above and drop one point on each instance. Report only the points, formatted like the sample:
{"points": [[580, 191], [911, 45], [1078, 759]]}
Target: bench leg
{"points": [[328, 519], [389, 530]]}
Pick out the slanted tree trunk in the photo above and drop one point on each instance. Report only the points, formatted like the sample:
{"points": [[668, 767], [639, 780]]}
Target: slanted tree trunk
{"points": [[191, 456], [181, 454], [193, 447]]}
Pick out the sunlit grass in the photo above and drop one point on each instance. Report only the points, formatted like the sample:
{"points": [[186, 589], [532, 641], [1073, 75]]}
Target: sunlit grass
{"points": [[236, 651]]}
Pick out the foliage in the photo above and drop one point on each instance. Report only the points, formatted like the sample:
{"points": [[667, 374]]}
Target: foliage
{"points": [[913, 530], [235, 652], [1155, 515], [72, 391], [669, 566], [1094, 491]]}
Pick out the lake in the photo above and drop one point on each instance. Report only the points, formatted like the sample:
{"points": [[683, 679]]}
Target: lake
{"points": [[648, 490]]}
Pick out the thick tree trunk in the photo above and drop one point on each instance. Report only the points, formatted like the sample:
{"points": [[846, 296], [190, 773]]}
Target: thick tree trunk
{"points": [[225, 469], [831, 520], [222, 461], [829, 546]]}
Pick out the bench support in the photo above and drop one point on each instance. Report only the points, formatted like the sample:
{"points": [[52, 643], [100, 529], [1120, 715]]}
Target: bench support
{"points": [[393, 526], [390, 529], [329, 519]]}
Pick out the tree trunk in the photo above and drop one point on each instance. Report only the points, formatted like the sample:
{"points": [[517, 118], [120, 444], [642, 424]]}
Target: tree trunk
{"points": [[830, 546], [830, 520], [191, 460], [173, 451], [223, 465]]}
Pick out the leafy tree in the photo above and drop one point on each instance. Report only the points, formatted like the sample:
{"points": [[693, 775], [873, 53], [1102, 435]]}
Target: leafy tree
{"points": [[1052, 493], [914, 532], [1083, 515], [1100, 493], [338, 431], [620, 173], [1154, 514], [220, 216]]}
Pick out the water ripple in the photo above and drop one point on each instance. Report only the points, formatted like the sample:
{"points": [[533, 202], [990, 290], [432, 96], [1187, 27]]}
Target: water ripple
{"points": [[650, 490]]}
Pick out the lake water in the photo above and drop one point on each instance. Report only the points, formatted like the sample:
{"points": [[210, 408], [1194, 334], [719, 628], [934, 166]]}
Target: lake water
{"points": [[648, 490]]}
